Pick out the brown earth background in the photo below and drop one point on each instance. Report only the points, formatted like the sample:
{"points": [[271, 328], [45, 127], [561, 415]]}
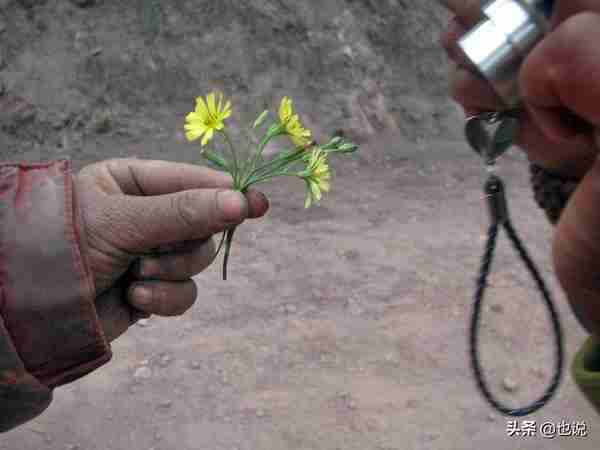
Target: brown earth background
{"points": [[342, 327]]}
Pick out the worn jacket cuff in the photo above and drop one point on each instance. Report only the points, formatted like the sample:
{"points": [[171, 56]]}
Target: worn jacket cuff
{"points": [[48, 292]]}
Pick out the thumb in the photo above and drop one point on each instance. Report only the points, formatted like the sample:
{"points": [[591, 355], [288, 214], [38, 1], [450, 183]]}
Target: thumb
{"points": [[576, 250], [148, 222]]}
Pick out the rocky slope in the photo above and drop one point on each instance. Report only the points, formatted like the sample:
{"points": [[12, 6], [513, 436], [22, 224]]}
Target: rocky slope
{"points": [[78, 72]]}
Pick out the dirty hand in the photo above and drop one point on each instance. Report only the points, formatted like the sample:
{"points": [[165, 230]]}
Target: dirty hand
{"points": [[555, 126], [147, 229]]}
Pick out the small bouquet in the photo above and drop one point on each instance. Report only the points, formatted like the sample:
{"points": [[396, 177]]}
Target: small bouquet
{"points": [[305, 160]]}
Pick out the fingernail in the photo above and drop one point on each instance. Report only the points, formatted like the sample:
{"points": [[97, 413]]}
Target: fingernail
{"points": [[142, 295], [149, 267], [232, 206]]}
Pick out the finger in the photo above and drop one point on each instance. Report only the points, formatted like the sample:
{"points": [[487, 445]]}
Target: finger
{"points": [[573, 160], [258, 205], [473, 92], [143, 223], [154, 177], [565, 9], [163, 298], [467, 11], [449, 41], [178, 266], [576, 250], [563, 72]]}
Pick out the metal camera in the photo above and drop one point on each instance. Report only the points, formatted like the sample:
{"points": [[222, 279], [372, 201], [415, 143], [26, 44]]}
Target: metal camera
{"points": [[501, 41]]}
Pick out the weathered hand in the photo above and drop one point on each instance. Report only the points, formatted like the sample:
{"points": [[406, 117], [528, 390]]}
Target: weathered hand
{"points": [[559, 141], [148, 229]]}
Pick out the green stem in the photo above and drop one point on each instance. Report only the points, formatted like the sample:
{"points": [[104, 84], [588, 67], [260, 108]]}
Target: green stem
{"points": [[216, 159], [228, 240], [276, 164], [268, 177], [234, 155], [261, 147]]}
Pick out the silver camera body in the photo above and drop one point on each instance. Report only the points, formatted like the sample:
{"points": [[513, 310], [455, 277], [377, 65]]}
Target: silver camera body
{"points": [[498, 45]]}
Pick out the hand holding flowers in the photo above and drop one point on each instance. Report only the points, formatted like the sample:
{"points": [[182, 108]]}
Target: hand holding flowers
{"points": [[306, 160]]}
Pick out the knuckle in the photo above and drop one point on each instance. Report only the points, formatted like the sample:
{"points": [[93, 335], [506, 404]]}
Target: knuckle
{"points": [[186, 209]]}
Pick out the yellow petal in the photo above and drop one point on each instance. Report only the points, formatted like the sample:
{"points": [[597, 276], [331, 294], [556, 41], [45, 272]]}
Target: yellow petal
{"points": [[324, 185], [308, 200], [201, 108], [219, 101], [193, 134], [210, 101], [193, 116], [207, 137], [194, 127], [316, 192], [285, 109], [227, 110]]}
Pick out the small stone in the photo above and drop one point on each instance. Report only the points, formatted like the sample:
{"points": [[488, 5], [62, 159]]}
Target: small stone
{"points": [[412, 403], [195, 365], [539, 373], [96, 51], [58, 123], [291, 309], [491, 418], [142, 373], [354, 307], [497, 308], [352, 404], [83, 3], [430, 437], [510, 385], [260, 412], [164, 361], [2, 27], [143, 323], [102, 121], [165, 404]]}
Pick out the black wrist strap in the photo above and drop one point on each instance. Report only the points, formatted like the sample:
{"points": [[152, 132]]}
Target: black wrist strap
{"points": [[494, 190]]}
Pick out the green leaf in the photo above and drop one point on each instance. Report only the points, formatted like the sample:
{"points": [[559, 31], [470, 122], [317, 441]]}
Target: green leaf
{"points": [[217, 160], [260, 119]]}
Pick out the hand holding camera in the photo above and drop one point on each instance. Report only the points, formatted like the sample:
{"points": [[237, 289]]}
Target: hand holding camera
{"points": [[558, 87]]}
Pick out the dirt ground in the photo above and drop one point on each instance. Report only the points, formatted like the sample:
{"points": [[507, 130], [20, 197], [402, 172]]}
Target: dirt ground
{"points": [[342, 327]]}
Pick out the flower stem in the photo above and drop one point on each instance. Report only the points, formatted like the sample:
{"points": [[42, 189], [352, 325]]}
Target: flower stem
{"points": [[228, 240], [234, 155], [270, 176], [274, 165], [261, 147]]}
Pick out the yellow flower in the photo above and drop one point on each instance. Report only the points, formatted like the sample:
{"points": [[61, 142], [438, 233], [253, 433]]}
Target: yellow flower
{"points": [[317, 177], [291, 122], [208, 117]]}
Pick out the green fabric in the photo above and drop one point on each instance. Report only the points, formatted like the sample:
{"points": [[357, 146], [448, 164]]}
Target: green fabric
{"points": [[586, 370]]}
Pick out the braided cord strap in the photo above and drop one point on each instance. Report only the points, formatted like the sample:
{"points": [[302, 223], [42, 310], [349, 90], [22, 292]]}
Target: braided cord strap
{"points": [[551, 191], [499, 212]]}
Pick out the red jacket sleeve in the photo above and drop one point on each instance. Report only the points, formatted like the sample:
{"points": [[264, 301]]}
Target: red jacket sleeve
{"points": [[49, 330]]}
